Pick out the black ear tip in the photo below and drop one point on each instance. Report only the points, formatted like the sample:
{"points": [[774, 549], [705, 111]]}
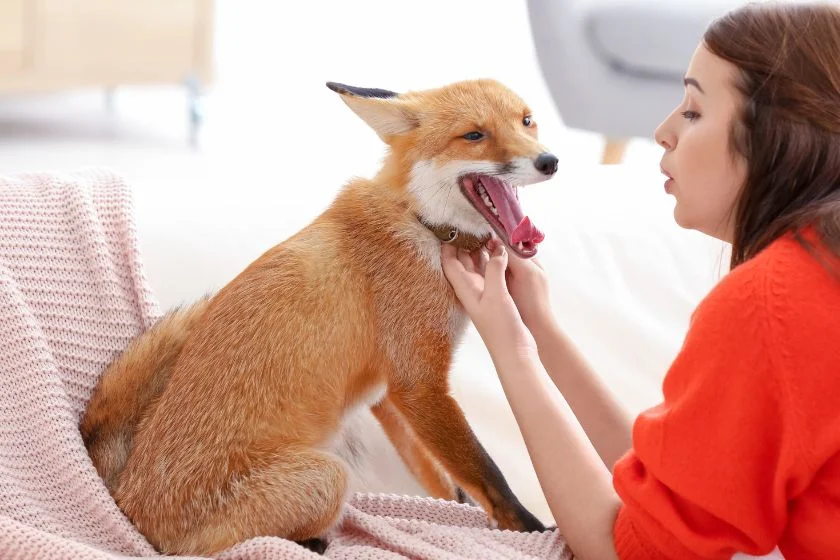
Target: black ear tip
{"points": [[377, 93], [336, 87]]}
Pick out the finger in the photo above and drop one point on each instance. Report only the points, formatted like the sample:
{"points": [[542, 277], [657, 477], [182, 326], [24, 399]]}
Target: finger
{"points": [[467, 285], [452, 267], [474, 255], [466, 260], [447, 251], [517, 264], [481, 257], [492, 243], [494, 276], [476, 258]]}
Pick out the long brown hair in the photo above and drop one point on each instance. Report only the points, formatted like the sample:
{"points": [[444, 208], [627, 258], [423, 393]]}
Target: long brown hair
{"points": [[789, 128]]}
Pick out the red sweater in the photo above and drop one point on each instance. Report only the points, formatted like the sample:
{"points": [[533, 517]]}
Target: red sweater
{"points": [[743, 454]]}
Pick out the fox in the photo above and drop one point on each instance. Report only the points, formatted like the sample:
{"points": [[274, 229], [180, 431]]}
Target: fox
{"points": [[231, 417]]}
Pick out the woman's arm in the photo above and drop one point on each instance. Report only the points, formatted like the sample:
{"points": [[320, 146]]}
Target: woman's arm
{"points": [[603, 418], [607, 424], [577, 486]]}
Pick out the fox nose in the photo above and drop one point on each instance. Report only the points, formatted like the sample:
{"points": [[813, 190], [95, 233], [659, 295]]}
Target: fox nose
{"points": [[546, 163]]}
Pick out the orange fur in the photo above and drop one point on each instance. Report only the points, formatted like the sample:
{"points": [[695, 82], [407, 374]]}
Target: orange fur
{"points": [[216, 425], [414, 453]]}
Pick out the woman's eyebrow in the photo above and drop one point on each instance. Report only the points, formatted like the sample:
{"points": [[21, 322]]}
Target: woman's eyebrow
{"points": [[692, 82]]}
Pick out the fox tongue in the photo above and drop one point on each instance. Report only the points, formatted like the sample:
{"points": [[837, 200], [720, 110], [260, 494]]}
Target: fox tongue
{"points": [[518, 227], [526, 231]]}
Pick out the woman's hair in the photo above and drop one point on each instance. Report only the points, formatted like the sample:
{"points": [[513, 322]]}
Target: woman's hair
{"points": [[788, 60]]}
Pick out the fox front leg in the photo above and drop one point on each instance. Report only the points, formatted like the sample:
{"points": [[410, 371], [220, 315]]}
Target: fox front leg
{"points": [[440, 425]]}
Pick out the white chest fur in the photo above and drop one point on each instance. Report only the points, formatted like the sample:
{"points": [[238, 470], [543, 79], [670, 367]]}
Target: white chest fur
{"points": [[352, 440], [438, 196]]}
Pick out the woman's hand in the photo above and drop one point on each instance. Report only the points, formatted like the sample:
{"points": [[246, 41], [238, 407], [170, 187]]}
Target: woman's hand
{"points": [[480, 284], [527, 283]]}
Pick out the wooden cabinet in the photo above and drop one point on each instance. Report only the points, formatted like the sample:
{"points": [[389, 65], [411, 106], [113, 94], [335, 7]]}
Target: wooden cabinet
{"points": [[52, 44], [11, 36], [48, 45]]}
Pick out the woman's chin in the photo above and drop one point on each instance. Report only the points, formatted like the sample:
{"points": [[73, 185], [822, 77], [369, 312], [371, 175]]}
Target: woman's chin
{"points": [[681, 219]]}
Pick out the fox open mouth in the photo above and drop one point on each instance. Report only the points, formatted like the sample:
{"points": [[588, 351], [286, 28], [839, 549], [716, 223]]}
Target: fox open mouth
{"points": [[498, 202]]}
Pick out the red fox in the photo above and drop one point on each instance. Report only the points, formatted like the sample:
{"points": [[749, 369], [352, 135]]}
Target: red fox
{"points": [[224, 421]]}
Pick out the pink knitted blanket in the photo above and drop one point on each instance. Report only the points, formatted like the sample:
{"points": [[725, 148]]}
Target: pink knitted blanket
{"points": [[72, 295]]}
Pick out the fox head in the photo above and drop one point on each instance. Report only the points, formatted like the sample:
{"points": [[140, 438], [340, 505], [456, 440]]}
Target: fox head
{"points": [[461, 152]]}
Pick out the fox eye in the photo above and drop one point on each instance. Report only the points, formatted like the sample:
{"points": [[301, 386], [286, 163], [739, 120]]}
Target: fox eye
{"points": [[527, 121], [473, 136]]}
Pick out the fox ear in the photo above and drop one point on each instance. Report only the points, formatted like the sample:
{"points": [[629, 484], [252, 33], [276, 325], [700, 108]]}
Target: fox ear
{"points": [[384, 111]]}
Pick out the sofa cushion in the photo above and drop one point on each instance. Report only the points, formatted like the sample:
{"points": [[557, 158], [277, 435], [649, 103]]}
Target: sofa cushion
{"points": [[654, 38]]}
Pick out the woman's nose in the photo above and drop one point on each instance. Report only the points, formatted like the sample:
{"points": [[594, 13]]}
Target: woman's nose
{"points": [[664, 137]]}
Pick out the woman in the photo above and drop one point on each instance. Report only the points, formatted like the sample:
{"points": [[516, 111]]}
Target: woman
{"points": [[743, 454]]}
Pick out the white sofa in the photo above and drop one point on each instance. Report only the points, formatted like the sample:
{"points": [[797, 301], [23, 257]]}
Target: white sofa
{"points": [[625, 279]]}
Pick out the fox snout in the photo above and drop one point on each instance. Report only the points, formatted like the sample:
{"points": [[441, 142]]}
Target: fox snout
{"points": [[546, 163]]}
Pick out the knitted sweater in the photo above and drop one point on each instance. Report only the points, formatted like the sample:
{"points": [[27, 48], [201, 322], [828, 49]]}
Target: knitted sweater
{"points": [[743, 454], [72, 296]]}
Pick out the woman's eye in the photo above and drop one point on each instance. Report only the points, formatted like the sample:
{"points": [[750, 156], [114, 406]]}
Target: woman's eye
{"points": [[527, 121], [690, 115], [473, 136]]}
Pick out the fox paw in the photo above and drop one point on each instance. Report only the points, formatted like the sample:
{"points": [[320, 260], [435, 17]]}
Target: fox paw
{"points": [[316, 545], [462, 497]]}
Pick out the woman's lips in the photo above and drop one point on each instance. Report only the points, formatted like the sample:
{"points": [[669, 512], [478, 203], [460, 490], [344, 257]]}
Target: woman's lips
{"points": [[669, 183]]}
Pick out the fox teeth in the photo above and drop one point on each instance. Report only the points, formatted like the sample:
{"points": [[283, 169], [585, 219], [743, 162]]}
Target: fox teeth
{"points": [[490, 205], [482, 192], [520, 246]]}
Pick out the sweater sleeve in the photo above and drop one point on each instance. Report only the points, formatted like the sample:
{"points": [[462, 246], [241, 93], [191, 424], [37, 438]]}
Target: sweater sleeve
{"points": [[706, 475]]}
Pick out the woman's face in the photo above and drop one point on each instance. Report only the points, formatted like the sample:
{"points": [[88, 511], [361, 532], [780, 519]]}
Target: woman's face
{"points": [[705, 175]]}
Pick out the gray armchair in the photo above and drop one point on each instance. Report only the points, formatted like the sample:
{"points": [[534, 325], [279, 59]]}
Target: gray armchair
{"points": [[615, 67]]}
